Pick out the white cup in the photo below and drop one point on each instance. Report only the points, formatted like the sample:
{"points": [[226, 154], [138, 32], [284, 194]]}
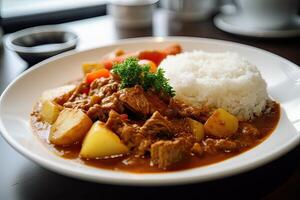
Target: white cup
{"points": [[267, 14]]}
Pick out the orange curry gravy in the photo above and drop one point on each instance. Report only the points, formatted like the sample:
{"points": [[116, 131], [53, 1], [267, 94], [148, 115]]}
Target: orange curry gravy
{"points": [[265, 124]]}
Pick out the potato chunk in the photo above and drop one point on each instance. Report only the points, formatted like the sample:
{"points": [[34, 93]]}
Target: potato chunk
{"points": [[221, 124], [101, 142], [71, 126], [50, 111], [59, 95], [197, 129]]}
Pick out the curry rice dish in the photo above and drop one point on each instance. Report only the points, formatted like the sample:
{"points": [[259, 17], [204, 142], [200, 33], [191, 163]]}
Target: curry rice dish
{"points": [[157, 111]]}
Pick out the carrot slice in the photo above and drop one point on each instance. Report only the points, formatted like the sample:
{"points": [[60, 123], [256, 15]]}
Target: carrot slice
{"points": [[109, 63], [157, 56], [90, 77], [154, 56]]}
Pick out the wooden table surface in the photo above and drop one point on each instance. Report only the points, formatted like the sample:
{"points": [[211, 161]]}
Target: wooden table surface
{"points": [[20, 178]]}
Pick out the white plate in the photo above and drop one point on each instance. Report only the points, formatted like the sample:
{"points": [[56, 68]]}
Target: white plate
{"points": [[233, 23], [282, 76]]}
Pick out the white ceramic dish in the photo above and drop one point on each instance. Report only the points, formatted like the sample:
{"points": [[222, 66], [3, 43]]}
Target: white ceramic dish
{"points": [[17, 100], [234, 24]]}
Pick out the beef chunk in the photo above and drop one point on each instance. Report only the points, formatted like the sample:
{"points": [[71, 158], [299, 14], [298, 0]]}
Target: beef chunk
{"points": [[114, 122], [165, 154], [135, 100], [79, 99], [184, 110], [157, 126], [79, 91], [97, 113], [84, 103], [108, 89], [224, 145], [158, 104], [98, 83], [78, 104], [145, 147], [181, 127], [104, 87], [112, 103], [131, 136]]}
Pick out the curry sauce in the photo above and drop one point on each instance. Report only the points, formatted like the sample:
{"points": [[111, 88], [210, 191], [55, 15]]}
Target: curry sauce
{"points": [[265, 125]]}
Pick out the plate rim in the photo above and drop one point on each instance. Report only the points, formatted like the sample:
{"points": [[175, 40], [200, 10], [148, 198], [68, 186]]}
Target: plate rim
{"points": [[57, 167]]}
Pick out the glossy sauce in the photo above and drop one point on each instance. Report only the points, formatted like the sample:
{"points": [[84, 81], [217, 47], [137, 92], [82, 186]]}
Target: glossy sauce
{"points": [[265, 124]]}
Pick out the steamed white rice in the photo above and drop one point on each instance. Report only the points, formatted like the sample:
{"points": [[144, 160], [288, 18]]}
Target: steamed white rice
{"points": [[217, 80]]}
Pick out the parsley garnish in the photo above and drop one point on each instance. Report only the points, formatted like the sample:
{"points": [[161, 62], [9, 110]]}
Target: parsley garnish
{"points": [[131, 74]]}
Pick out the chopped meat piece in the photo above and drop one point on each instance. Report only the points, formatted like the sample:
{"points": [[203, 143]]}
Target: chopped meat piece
{"points": [[104, 87], [135, 100], [181, 127], [112, 103], [157, 125], [84, 103], [78, 104], [98, 83], [157, 104], [197, 149], [80, 89], [131, 136], [224, 145], [184, 110], [165, 154], [144, 147], [107, 90], [114, 122], [97, 113]]}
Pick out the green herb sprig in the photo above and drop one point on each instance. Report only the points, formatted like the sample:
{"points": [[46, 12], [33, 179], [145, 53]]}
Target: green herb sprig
{"points": [[131, 74]]}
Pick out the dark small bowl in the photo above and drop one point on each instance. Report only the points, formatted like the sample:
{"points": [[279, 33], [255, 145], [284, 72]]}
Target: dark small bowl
{"points": [[36, 44]]}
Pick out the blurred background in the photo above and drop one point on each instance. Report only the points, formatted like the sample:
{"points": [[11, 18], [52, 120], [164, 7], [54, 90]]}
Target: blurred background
{"points": [[19, 14], [134, 18]]}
